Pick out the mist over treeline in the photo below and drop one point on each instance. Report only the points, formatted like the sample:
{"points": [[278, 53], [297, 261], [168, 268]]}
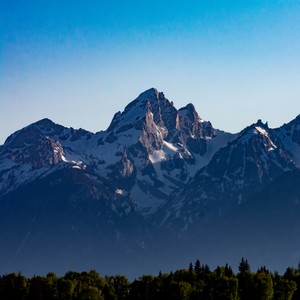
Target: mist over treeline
{"points": [[197, 281]]}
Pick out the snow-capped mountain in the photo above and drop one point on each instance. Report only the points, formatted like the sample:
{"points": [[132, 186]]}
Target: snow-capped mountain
{"points": [[255, 158], [156, 175], [150, 149], [38, 150]]}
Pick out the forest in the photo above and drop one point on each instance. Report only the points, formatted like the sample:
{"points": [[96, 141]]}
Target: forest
{"points": [[196, 282]]}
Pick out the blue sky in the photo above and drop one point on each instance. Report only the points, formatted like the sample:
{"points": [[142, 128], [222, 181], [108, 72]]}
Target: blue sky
{"points": [[79, 62]]}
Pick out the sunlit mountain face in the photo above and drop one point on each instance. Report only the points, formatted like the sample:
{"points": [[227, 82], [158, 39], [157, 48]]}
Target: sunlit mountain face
{"points": [[160, 187]]}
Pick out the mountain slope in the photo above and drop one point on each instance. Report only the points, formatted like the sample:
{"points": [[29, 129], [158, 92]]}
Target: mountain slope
{"points": [[233, 175], [160, 183]]}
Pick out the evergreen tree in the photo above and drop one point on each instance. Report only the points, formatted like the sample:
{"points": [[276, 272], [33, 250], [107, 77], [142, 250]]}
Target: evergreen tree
{"points": [[244, 266], [228, 271], [205, 270], [191, 268], [245, 279], [197, 267]]}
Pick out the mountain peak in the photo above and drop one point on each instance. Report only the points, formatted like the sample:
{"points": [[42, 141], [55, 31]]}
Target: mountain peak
{"points": [[150, 92], [151, 95], [261, 124], [45, 122], [164, 112], [190, 108], [253, 128]]}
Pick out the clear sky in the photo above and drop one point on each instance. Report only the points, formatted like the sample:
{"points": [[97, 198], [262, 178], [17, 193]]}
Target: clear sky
{"points": [[79, 62]]}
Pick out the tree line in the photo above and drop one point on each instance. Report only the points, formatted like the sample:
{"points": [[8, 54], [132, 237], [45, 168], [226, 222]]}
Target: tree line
{"points": [[196, 282]]}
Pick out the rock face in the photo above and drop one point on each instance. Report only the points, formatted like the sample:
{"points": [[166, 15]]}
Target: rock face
{"points": [[157, 175], [164, 146], [245, 166]]}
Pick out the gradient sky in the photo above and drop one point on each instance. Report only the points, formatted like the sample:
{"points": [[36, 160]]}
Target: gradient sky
{"points": [[79, 62]]}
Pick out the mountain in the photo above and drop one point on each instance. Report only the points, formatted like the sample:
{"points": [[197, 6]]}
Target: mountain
{"points": [[160, 183], [162, 147], [246, 165]]}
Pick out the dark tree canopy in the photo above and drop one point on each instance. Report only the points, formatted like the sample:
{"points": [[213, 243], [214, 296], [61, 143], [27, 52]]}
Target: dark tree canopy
{"points": [[198, 282]]}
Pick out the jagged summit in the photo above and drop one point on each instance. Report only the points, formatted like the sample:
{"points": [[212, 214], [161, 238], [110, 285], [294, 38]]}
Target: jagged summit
{"points": [[151, 95], [134, 114], [254, 131], [260, 123], [184, 122], [148, 94]]}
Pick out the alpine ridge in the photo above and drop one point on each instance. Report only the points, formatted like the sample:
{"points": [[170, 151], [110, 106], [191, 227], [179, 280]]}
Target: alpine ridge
{"points": [[159, 187]]}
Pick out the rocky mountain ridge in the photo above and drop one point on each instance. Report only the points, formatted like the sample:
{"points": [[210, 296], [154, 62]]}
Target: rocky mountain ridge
{"points": [[156, 175], [151, 144]]}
